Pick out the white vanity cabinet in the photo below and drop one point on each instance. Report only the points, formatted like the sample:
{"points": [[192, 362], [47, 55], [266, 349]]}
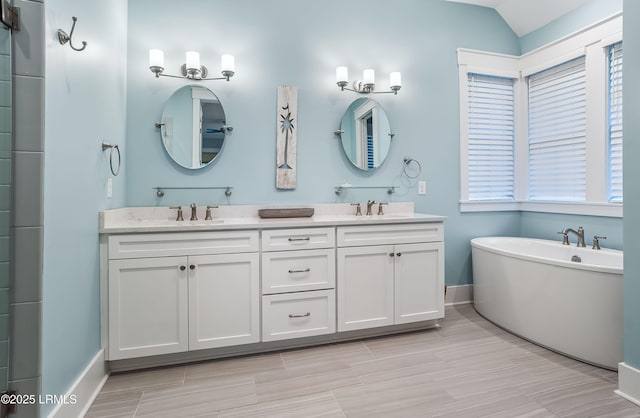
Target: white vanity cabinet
{"points": [[399, 282], [176, 292], [298, 283]]}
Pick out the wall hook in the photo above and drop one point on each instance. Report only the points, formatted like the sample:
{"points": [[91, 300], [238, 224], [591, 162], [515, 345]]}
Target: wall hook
{"points": [[63, 38]]}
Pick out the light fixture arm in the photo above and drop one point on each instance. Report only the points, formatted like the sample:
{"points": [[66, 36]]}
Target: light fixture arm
{"points": [[367, 85], [360, 87], [195, 71]]}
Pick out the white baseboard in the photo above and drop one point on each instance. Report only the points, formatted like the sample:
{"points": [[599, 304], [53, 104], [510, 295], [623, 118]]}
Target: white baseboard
{"points": [[457, 295], [628, 383], [84, 390]]}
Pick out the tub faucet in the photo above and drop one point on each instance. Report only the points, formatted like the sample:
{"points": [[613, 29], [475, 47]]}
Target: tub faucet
{"points": [[579, 233], [565, 237], [596, 242]]}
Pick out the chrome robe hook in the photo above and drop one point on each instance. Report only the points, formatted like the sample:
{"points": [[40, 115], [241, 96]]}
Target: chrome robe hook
{"points": [[63, 38]]}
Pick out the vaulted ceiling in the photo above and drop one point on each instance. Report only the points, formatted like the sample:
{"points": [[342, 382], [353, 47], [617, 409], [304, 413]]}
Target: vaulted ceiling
{"points": [[524, 16]]}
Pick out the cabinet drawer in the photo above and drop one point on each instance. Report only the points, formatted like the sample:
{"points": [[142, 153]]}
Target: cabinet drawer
{"points": [[182, 243], [294, 315], [298, 239], [293, 271], [352, 236]]}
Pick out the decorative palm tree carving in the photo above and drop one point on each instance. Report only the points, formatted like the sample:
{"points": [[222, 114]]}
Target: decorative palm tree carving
{"points": [[286, 125]]}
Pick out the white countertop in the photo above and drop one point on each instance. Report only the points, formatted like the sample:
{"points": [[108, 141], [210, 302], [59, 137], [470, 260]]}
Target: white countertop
{"points": [[162, 219]]}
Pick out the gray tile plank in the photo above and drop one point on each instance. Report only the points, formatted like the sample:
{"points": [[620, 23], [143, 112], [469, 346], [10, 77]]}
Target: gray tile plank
{"points": [[467, 367]]}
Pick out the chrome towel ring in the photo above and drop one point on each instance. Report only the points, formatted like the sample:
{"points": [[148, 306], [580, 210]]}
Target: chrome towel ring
{"points": [[106, 146], [408, 161]]}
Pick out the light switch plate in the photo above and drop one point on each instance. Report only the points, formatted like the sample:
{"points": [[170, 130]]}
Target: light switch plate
{"points": [[422, 187], [109, 188]]}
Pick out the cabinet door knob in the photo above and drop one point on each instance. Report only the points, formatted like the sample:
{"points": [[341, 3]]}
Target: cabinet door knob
{"points": [[182, 268], [192, 267], [399, 254], [392, 255]]}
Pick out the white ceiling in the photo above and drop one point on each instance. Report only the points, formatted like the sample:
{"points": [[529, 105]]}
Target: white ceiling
{"points": [[524, 16]]}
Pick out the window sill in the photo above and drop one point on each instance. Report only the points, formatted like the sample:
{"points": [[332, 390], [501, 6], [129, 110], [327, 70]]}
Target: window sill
{"points": [[613, 210]]}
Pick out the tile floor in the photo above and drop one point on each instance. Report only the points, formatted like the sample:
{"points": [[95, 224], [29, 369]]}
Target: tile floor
{"points": [[466, 368]]}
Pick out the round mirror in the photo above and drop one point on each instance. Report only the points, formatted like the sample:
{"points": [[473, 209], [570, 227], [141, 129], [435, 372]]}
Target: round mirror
{"points": [[193, 126], [366, 134]]}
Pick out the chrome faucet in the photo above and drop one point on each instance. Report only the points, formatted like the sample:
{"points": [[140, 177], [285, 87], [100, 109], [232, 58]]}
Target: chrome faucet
{"points": [[207, 216], [179, 214], [380, 210], [358, 209], [194, 217], [370, 203], [596, 242], [579, 233]]}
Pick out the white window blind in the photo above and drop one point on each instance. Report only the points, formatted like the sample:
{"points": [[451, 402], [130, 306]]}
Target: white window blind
{"points": [[490, 137], [557, 140], [615, 122]]}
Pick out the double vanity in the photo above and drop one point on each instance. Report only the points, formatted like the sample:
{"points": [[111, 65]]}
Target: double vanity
{"points": [[188, 290]]}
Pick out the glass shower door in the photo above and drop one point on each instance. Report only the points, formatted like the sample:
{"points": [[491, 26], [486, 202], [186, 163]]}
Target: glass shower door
{"points": [[5, 199]]}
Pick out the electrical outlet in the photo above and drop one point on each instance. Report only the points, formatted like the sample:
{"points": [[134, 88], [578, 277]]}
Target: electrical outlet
{"points": [[422, 187], [109, 188]]}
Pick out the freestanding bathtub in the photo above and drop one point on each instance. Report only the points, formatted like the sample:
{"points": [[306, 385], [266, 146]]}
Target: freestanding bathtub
{"points": [[532, 288]]}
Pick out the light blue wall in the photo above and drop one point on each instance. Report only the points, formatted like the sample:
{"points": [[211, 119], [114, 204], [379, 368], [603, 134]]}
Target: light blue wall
{"points": [[586, 15], [631, 184], [301, 44], [85, 104]]}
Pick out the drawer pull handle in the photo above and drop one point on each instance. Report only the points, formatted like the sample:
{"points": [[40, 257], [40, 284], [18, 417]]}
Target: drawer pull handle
{"points": [[300, 239], [182, 268], [399, 254], [392, 255], [299, 315], [307, 270]]}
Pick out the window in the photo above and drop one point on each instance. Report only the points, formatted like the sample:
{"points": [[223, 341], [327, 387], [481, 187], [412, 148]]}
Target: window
{"points": [[543, 131], [557, 132], [490, 137], [615, 122]]}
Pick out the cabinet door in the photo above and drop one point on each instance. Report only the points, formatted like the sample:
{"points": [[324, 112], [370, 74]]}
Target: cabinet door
{"points": [[147, 307], [365, 287], [419, 282], [224, 300]]}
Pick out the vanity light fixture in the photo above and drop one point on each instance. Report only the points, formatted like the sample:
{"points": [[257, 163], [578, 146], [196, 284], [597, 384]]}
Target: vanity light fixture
{"points": [[367, 84], [191, 69]]}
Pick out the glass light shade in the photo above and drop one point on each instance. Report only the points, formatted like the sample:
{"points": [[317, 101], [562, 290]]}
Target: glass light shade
{"points": [[342, 74], [193, 60], [395, 79], [368, 77], [228, 63], [156, 58]]}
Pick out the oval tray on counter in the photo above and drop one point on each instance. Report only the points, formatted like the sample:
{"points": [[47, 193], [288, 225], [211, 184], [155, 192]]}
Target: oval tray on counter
{"points": [[286, 213]]}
